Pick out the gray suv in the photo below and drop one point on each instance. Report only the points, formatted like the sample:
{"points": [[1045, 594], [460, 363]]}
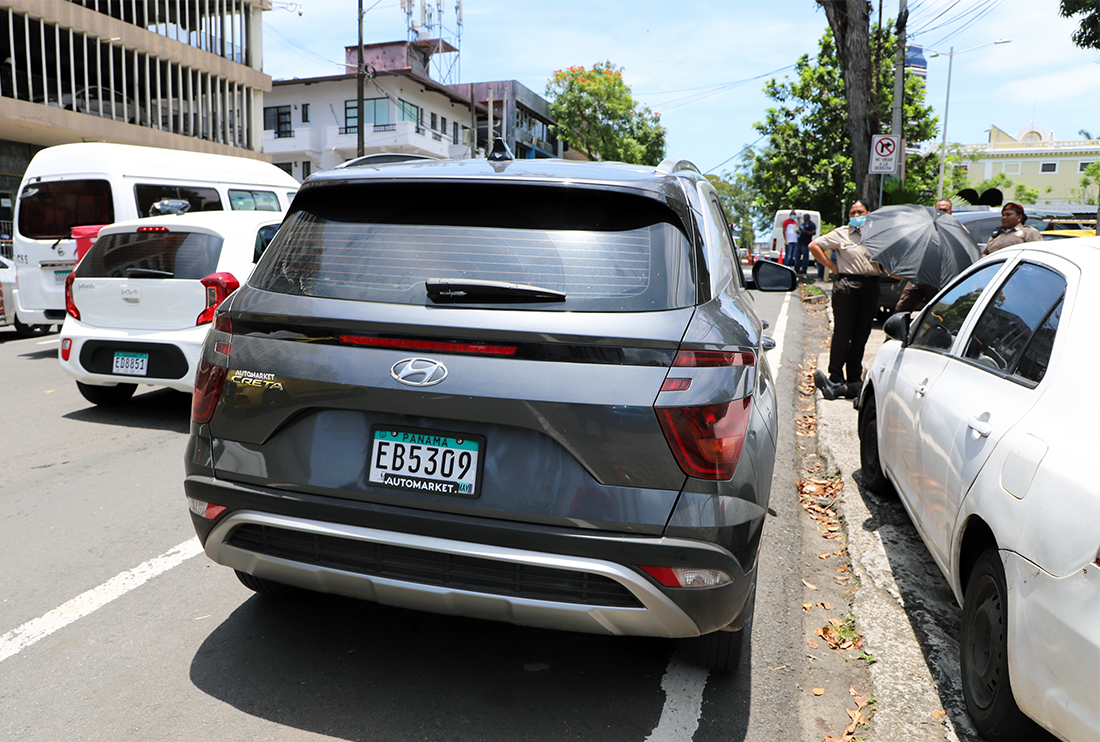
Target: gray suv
{"points": [[531, 391]]}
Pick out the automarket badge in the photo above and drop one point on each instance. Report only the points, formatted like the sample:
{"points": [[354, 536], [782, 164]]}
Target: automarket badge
{"points": [[419, 371]]}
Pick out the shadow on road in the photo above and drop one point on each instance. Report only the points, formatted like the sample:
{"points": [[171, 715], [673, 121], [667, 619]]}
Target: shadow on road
{"points": [[159, 409], [358, 671]]}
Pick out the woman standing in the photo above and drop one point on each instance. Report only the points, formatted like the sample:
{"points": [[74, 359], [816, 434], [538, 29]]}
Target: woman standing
{"points": [[855, 304], [1013, 230]]}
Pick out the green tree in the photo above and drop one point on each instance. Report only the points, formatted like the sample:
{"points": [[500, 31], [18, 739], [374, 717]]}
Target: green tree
{"points": [[1088, 35], [807, 161], [596, 114], [1089, 192]]}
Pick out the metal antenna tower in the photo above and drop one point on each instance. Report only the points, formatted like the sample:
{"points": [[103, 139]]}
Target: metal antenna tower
{"points": [[442, 41]]}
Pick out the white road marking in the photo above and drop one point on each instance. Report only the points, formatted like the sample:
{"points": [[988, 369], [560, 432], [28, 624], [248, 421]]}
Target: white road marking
{"points": [[16, 640], [683, 684], [51, 341]]}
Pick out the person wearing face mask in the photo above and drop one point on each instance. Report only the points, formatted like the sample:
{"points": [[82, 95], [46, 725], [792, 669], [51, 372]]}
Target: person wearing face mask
{"points": [[855, 304], [1013, 230]]}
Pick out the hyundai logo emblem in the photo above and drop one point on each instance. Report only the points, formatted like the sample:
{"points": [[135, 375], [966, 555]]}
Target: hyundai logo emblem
{"points": [[419, 371]]}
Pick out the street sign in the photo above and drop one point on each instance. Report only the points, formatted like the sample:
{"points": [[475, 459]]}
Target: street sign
{"points": [[885, 152]]}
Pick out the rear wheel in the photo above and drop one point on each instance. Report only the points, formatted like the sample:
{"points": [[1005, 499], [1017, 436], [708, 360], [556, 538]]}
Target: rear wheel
{"points": [[107, 396], [268, 587], [983, 649], [720, 650], [30, 331], [874, 478]]}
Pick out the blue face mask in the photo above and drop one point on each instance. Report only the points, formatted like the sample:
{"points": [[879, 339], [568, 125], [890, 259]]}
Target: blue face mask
{"points": [[857, 221]]}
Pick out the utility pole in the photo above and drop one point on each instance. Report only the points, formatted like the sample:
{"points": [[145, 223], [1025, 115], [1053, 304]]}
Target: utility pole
{"points": [[359, 87], [897, 123], [473, 123]]}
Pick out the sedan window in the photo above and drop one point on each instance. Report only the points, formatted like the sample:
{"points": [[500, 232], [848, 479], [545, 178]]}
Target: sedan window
{"points": [[1023, 314], [941, 323]]}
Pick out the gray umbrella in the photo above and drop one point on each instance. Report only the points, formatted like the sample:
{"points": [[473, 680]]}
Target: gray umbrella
{"points": [[922, 244]]}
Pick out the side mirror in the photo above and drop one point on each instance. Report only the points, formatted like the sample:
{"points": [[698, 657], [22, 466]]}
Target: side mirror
{"points": [[769, 276], [896, 327]]}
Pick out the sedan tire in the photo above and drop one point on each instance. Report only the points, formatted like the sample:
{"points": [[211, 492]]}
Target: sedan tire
{"points": [[874, 478], [107, 396], [268, 587], [720, 650], [983, 647]]}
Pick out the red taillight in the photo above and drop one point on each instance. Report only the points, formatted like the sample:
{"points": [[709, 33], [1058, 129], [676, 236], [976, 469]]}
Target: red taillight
{"points": [[429, 345], [713, 358], [210, 377], [706, 441], [218, 288], [207, 510], [152, 229], [70, 305]]}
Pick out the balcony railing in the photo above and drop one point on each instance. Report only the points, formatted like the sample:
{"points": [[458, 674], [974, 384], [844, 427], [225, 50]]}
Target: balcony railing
{"points": [[385, 127]]}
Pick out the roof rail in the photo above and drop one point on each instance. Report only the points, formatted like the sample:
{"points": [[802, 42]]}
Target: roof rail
{"points": [[671, 165]]}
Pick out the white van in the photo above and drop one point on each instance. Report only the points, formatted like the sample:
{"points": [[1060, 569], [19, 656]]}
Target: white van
{"points": [[95, 183], [778, 242]]}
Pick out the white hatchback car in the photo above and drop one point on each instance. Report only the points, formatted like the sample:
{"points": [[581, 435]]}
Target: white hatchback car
{"points": [[141, 300], [979, 413]]}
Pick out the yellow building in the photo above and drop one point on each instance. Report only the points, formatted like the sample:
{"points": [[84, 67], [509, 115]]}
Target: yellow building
{"points": [[1035, 158]]}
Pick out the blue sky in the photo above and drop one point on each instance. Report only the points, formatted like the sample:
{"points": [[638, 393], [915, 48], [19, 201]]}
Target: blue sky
{"points": [[702, 64]]}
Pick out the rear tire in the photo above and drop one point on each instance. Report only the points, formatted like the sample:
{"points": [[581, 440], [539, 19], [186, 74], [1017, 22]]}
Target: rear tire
{"points": [[107, 396], [720, 650], [268, 587], [874, 478], [983, 650], [29, 331]]}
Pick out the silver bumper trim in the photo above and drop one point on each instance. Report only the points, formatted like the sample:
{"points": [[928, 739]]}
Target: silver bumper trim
{"points": [[659, 618]]}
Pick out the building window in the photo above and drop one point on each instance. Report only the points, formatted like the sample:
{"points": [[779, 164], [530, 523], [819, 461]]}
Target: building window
{"points": [[1083, 165], [305, 113], [286, 167], [351, 116], [1048, 167], [1012, 168], [435, 121], [307, 168], [408, 112], [455, 129], [376, 112], [277, 119]]}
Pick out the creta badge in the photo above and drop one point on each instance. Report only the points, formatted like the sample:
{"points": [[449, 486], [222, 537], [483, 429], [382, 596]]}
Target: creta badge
{"points": [[419, 371]]}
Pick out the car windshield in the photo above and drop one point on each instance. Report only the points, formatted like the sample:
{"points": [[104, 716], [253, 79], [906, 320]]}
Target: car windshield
{"points": [[152, 254], [604, 251]]}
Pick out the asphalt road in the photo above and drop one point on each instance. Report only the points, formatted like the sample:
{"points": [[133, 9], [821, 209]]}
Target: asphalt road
{"points": [[113, 627]]}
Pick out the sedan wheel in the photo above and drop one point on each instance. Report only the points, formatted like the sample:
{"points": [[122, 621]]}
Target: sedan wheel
{"points": [[984, 655], [107, 396], [873, 477]]}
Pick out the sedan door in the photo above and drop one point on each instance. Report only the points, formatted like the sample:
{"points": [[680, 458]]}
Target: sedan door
{"points": [[984, 391]]}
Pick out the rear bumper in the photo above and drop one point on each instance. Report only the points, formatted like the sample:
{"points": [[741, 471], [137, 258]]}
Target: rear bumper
{"points": [[178, 352], [459, 565]]}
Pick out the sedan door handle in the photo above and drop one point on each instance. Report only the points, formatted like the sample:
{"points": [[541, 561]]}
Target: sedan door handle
{"points": [[922, 390], [980, 427]]}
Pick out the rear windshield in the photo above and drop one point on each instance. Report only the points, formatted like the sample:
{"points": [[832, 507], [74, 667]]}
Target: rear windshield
{"points": [[606, 251], [50, 210], [152, 255], [200, 198]]}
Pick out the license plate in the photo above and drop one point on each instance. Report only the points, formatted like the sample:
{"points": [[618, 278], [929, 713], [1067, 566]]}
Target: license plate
{"points": [[131, 364], [60, 276], [426, 461]]}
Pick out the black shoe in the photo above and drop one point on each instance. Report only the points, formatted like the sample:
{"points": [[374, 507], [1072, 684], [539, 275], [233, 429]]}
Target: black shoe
{"points": [[852, 390], [829, 389]]}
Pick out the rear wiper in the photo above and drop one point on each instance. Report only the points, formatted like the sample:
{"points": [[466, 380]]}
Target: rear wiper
{"points": [[148, 273], [453, 290]]}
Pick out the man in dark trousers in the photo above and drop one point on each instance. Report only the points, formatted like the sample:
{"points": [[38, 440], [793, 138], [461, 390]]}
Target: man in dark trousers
{"points": [[806, 231]]}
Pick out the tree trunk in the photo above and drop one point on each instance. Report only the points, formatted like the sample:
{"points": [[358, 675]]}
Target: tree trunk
{"points": [[850, 23]]}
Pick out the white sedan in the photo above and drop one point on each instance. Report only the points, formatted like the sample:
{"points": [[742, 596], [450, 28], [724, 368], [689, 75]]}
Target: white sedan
{"points": [[982, 414], [141, 301]]}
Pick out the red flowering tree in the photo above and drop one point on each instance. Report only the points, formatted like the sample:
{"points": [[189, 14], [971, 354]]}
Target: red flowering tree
{"points": [[596, 114]]}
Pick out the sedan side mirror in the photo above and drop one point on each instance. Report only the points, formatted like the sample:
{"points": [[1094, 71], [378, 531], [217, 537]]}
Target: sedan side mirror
{"points": [[896, 327], [769, 276]]}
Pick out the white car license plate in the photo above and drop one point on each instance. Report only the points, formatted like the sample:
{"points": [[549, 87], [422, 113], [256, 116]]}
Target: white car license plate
{"points": [[60, 276], [426, 461], [131, 364]]}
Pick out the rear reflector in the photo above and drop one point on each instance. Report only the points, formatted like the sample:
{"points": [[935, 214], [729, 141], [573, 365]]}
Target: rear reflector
{"points": [[66, 348], [706, 441], [429, 345], [713, 358], [687, 576], [207, 510]]}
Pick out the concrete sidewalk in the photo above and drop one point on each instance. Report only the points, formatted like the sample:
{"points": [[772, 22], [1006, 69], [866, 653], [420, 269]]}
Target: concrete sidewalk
{"points": [[910, 701]]}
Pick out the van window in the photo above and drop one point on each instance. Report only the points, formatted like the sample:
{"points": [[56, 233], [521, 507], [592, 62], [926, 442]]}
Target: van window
{"points": [[242, 200], [152, 255], [50, 210], [201, 199]]}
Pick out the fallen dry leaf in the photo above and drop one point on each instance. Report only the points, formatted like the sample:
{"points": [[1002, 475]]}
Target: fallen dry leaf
{"points": [[826, 606], [939, 714], [807, 606], [825, 555], [836, 622], [809, 585], [813, 643], [819, 691], [842, 568]]}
